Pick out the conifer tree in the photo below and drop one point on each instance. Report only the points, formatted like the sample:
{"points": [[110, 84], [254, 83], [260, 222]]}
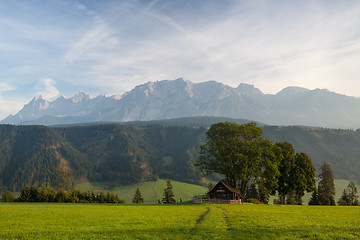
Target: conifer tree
{"points": [[349, 196], [138, 197], [168, 194], [326, 189], [25, 195], [314, 200]]}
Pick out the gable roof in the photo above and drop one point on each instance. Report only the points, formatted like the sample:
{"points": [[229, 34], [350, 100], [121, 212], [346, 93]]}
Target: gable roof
{"points": [[231, 189]]}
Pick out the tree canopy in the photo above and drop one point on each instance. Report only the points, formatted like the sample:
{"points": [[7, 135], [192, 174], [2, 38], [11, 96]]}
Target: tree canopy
{"points": [[244, 157], [239, 153]]}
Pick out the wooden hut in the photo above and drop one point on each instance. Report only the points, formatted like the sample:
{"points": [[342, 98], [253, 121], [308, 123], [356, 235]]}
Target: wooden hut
{"points": [[221, 193]]}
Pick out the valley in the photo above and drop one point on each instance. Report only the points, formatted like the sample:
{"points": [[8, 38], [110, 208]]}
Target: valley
{"points": [[138, 152]]}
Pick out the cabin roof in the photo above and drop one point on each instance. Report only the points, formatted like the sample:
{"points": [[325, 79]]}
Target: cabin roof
{"points": [[231, 189]]}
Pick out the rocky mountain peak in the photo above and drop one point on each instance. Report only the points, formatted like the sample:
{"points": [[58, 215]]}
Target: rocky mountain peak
{"points": [[288, 91], [182, 98], [248, 89], [79, 97]]}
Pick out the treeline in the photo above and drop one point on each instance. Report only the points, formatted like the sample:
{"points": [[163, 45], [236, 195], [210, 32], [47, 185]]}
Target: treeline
{"points": [[48, 194]]}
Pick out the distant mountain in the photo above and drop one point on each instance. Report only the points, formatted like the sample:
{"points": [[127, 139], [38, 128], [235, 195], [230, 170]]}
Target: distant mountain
{"points": [[181, 98]]}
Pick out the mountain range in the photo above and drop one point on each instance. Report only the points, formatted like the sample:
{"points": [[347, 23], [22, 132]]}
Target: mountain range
{"points": [[181, 98]]}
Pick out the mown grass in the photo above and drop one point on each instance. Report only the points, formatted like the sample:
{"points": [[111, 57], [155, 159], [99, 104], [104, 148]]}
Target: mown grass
{"points": [[292, 222], [94, 221], [109, 221]]}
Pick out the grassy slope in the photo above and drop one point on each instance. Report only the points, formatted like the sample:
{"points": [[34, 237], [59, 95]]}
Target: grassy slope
{"points": [[208, 221], [151, 191]]}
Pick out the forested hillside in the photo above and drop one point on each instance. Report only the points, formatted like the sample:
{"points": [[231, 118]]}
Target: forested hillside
{"points": [[35, 154], [143, 151], [130, 154], [340, 148]]}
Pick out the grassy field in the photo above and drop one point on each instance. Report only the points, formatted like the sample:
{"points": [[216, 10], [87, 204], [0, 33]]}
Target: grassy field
{"points": [[151, 191], [108, 221]]}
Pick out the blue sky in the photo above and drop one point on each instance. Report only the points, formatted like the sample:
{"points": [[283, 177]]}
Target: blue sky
{"points": [[59, 47]]}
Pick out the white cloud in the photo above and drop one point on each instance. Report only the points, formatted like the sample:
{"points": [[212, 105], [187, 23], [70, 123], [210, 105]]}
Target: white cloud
{"points": [[46, 88], [8, 106]]}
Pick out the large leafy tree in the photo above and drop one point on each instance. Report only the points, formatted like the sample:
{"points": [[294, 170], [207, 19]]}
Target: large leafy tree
{"points": [[326, 188], [286, 180], [240, 154], [304, 176], [267, 179]]}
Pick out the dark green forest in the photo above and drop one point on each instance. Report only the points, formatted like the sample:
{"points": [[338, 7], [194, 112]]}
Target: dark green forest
{"points": [[143, 151]]}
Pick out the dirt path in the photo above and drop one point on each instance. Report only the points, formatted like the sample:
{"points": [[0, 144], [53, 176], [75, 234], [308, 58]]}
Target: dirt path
{"points": [[212, 224], [226, 218], [200, 219]]}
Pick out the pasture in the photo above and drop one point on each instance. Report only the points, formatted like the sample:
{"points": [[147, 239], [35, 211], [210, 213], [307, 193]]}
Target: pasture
{"points": [[151, 191], [186, 221]]}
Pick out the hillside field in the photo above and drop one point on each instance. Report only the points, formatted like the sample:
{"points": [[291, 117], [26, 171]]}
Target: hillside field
{"points": [[183, 221], [151, 191]]}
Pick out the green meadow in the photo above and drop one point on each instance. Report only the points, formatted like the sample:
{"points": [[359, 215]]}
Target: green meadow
{"points": [[183, 221], [151, 191]]}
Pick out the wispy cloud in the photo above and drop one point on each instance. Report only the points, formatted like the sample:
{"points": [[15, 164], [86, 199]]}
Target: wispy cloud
{"points": [[8, 106], [293, 45], [46, 88], [97, 36]]}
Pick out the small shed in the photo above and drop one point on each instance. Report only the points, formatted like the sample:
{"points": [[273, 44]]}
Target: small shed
{"points": [[223, 191]]}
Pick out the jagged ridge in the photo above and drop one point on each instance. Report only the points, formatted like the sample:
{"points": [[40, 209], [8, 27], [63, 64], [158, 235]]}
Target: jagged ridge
{"points": [[181, 98]]}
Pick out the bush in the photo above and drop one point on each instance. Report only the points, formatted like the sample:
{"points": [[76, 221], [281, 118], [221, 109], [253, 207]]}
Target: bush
{"points": [[8, 197]]}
